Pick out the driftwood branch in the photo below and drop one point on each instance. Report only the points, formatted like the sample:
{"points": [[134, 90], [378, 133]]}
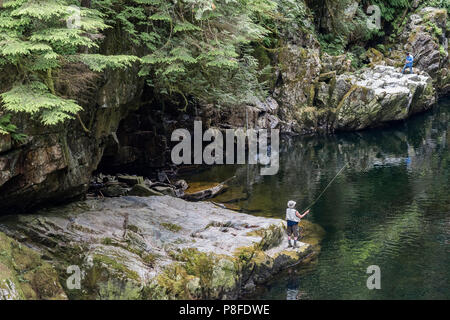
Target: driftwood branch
{"points": [[207, 193]]}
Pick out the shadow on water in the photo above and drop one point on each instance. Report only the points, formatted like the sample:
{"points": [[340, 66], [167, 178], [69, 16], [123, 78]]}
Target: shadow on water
{"points": [[390, 208]]}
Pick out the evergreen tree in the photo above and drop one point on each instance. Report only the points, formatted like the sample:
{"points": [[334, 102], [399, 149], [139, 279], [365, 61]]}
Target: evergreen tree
{"points": [[37, 37], [198, 49]]}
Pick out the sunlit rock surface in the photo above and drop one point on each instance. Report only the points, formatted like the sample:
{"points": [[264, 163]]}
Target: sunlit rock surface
{"points": [[382, 94], [158, 247]]}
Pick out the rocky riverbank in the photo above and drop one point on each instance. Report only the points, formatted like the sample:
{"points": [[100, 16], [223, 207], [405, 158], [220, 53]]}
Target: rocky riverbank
{"points": [[158, 247]]}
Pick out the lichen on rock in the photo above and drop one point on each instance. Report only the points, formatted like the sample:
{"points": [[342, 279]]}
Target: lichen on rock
{"points": [[158, 247], [24, 275]]}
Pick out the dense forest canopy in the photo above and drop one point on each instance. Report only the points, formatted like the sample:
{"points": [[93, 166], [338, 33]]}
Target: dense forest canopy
{"points": [[187, 50]]}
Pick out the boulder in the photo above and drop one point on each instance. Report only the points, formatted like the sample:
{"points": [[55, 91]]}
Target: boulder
{"points": [[24, 275], [380, 95], [114, 189], [375, 57], [158, 247], [130, 180], [141, 190], [425, 36]]}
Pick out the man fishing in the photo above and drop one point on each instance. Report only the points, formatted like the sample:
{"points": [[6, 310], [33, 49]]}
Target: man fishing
{"points": [[293, 217], [409, 63]]}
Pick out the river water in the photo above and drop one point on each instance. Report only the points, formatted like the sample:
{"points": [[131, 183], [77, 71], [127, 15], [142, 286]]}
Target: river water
{"points": [[389, 208]]}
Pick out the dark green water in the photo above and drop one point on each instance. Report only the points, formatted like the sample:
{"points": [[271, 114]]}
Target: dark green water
{"points": [[391, 208]]}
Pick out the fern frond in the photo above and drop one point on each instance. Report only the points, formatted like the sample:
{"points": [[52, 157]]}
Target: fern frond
{"points": [[35, 98]]}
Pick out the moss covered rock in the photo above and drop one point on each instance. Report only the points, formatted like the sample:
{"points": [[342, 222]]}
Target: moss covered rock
{"points": [[24, 275], [158, 247], [382, 95]]}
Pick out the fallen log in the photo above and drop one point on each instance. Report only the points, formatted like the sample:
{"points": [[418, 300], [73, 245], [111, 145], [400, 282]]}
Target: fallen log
{"points": [[207, 193]]}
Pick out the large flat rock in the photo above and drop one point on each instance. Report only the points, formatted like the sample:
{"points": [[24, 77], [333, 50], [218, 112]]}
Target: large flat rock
{"points": [[379, 95], [158, 247]]}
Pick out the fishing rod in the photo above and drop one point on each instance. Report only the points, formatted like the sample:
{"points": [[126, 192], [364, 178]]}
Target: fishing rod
{"points": [[329, 184]]}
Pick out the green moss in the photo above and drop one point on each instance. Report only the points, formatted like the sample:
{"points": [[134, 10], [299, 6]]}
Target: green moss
{"points": [[171, 226], [116, 266], [246, 255], [149, 258], [200, 275], [256, 233], [431, 26], [23, 270], [346, 96], [262, 56], [107, 279], [177, 280], [107, 241], [199, 264], [294, 255], [133, 228]]}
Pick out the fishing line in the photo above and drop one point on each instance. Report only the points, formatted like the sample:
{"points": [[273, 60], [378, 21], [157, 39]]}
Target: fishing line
{"points": [[329, 184]]}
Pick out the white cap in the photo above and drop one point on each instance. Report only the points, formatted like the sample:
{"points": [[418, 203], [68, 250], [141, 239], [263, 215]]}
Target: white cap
{"points": [[291, 204]]}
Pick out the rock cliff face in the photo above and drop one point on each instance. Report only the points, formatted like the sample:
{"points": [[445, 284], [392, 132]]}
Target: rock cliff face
{"points": [[426, 36], [54, 164], [319, 92], [144, 136], [157, 247]]}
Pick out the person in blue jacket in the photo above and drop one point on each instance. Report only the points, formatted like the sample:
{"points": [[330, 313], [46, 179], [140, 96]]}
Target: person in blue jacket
{"points": [[409, 63]]}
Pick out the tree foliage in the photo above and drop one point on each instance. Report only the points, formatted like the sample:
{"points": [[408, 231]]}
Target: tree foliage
{"points": [[36, 40], [196, 49], [7, 128]]}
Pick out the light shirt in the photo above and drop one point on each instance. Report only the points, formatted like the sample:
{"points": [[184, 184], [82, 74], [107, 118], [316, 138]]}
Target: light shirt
{"points": [[291, 216], [409, 59]]}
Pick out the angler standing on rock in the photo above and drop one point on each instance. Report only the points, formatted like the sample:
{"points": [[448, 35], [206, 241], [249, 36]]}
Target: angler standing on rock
{"points": [[409, 63], [293, 217]]}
